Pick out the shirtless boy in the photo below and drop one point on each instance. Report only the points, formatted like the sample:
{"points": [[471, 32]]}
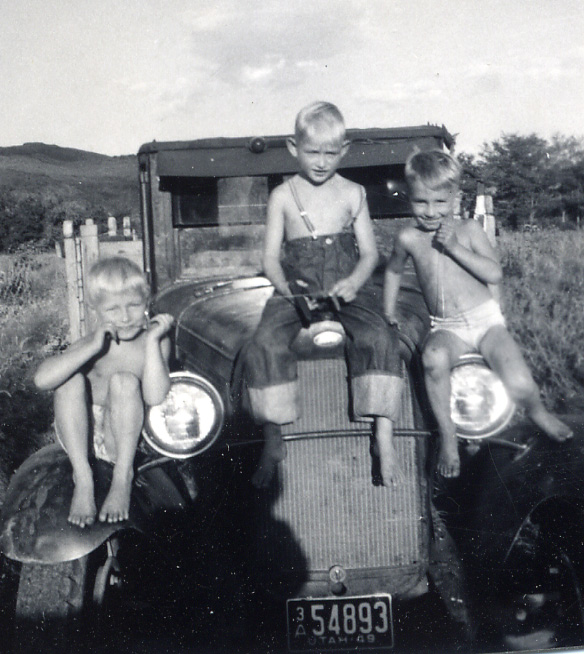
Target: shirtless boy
{"points": [[456, 267], [102, 381], [321, 222]]}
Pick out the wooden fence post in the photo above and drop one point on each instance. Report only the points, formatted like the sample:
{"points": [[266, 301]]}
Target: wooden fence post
{"points": [[112, 226], [484, 213], [89, 250], [490, 226], [74, 281]]}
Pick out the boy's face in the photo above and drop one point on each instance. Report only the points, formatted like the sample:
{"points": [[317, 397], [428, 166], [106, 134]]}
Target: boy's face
{"points": [[318, 154], [126, 311], [430, 207]]}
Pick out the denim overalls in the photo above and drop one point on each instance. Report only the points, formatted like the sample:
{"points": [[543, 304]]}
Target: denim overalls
{"points": [[372, 346]]}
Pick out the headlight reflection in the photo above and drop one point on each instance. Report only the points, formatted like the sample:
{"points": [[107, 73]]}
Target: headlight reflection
{"points": [[188, 421], [479, 404]]}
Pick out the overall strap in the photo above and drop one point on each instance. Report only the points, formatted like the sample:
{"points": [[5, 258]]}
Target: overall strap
{"points": [[303, 214]]}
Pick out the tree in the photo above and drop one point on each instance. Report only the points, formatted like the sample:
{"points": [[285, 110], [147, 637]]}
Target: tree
{"points": [[518, 167], [38, 217], [471, 177], [567, 161], [21, 219], [536, 181]]}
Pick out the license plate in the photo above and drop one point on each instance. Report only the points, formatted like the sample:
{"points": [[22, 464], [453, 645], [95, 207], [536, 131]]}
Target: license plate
{"points": [[326, 623]]}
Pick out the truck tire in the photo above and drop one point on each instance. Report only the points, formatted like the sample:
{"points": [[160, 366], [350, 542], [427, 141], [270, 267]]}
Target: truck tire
{"points": [[546, 602], [49, 606]]}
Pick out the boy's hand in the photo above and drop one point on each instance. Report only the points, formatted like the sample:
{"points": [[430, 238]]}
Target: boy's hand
{"points": [[345, 289], [446, 236], [160, 325], [102, 333]]}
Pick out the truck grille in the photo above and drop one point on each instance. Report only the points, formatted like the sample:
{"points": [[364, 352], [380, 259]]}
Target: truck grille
{"points": [[324, 400], [325, 508]]}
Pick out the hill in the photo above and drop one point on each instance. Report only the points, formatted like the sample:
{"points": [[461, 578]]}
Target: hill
{"points": [[101, 181]]}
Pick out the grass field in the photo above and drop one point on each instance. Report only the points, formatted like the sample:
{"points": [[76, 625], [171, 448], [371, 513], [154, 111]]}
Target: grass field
{"points": [[33, 324], [543, 301]]}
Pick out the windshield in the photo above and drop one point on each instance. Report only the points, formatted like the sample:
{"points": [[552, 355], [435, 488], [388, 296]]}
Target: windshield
{"points": [[219, 222]]}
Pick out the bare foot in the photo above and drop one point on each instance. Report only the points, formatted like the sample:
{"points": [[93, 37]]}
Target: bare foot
{"points": [[116, 506], [274, 451], [82, 511], [448, 458], [391, 472], [553, 427]]}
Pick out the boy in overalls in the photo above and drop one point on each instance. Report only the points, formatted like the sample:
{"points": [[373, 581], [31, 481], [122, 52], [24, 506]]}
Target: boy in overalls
{"points": [[322, 223]]}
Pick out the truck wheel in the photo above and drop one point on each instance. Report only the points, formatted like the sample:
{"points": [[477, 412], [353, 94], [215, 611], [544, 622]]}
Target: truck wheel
{"points": [[545, 592], [49, 605], [62, 606]]}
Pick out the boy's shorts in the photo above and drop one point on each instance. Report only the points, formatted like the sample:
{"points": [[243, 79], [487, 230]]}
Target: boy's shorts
{"points": [[471, 326], [97, 428]]}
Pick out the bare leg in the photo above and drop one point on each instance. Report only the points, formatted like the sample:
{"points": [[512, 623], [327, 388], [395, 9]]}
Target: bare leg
{"points": [[126, 416], [71, 406], [274, 451], [440, 353], [391, 472], [505, 358]]}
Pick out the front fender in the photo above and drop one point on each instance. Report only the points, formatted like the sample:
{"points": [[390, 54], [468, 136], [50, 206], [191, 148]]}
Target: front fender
{"points": [[502, 487], [33, 523]]}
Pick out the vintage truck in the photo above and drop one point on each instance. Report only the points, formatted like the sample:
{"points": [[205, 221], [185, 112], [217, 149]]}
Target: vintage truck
{"points": [[326, 558]]}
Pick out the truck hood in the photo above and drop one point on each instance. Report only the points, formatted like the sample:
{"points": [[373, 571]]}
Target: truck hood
{"points": [[215, 318]]}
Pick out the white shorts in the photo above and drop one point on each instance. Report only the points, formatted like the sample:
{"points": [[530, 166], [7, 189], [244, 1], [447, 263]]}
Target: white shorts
{"points": [[472, 325], [98, 430]]}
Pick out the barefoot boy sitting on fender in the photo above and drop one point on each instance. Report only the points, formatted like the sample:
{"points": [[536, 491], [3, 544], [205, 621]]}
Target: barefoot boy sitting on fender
{"points": [[102, 381], [456, 265]]}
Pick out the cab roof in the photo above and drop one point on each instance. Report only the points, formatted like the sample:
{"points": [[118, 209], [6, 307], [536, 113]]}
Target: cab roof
{"points": [[243, 156]]}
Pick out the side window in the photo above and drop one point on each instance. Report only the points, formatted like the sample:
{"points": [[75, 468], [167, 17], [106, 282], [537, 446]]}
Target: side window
{"points": [[225, 201], [219, 225], [195, 203], [384, 201], [242, 200]]}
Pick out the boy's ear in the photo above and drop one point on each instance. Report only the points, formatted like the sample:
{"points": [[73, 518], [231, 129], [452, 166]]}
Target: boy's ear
{"points": [[345, 148], [291, 145]]}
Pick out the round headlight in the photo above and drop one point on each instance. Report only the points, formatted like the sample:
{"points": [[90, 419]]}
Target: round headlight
{"points": [[479, 403], [188, 421]]}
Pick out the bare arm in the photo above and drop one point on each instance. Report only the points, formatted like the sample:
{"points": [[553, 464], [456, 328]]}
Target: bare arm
{"points": [[273, 238], [155, 378], [393, 271], [56, 370], [480, 259], [368, 257]]}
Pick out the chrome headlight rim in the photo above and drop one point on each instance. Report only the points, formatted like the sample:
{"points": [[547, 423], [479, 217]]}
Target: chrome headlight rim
{"points": [[201, 383], [502, 421]]}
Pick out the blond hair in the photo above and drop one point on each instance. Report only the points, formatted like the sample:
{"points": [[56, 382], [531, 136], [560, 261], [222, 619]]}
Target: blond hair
{"points": [[115, 275], [434, 168], [320, 116]]}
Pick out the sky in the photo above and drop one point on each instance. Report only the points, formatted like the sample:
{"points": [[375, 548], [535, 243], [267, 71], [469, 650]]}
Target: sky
{"points": [[109, 75]]}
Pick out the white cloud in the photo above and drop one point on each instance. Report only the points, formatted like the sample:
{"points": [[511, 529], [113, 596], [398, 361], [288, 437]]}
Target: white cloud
{"points": [[262, 73]]}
